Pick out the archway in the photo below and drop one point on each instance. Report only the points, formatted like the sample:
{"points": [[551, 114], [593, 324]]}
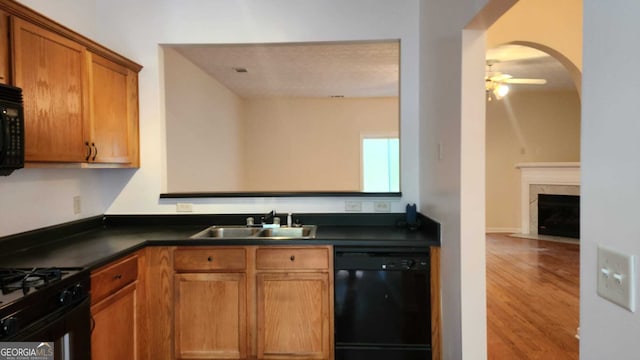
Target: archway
{"points": [[534, 124]]}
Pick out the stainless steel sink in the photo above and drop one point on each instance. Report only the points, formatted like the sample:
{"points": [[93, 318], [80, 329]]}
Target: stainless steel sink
{"points": [[227, 232], [244, 232], [304, 232]]}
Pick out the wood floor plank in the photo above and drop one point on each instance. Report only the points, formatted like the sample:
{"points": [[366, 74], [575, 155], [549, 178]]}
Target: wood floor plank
{"points": [[533, 303]]}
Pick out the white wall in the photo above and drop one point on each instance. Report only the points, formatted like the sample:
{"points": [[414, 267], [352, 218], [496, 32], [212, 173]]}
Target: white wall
{"points": [[526, 126], [135, 28], [452, 166], [146, 23], [34, 198], [610, 171], [77, 15], [204, 129]]}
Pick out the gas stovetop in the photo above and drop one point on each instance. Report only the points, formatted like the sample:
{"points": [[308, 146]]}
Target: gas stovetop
{"points": [[16, 283], [21, 279], [28, 295]]}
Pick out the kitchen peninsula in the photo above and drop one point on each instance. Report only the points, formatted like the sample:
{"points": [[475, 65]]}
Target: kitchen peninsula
{"points": [[144, 265]]}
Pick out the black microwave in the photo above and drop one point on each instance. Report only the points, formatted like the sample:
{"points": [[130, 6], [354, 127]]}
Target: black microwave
{"points": [[11, 129]]}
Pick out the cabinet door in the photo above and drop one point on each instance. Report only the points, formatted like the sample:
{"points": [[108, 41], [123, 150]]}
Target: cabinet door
{"points": [[113, 125], [4, 48], [210, 316], [293, 315], [114, 331], [51, 70]]}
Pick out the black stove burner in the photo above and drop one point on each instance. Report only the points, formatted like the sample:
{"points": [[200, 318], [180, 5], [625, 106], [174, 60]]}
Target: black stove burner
{"points": [[27, 279]]}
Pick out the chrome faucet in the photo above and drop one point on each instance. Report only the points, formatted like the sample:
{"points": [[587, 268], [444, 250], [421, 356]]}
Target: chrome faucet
{"points": [[271, 216]]}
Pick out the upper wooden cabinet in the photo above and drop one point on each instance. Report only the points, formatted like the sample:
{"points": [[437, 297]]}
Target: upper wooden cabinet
{"points": [[51, 71], [4, 49], [113, 121], [80, 99]]}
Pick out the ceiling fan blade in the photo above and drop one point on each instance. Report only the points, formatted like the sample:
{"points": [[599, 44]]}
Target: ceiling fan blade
{"points": [[500, 77], [525, 81]]}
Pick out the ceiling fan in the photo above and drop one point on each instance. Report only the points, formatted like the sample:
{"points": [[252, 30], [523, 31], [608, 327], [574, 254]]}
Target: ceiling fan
{"points": [[497, 83]]}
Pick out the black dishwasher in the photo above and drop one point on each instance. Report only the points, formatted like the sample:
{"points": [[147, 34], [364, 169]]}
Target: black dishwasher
{"points": [[382, 304]]}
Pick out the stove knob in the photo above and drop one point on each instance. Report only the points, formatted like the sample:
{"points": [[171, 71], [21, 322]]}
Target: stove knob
{"points": [[65, 297], [8, 326], [76, 291], [409, 264]]}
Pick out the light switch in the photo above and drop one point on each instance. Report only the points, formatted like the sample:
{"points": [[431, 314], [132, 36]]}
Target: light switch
{"points": [[616, 277]]}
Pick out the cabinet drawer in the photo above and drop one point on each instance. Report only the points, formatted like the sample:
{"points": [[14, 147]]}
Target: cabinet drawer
{"points": [[207, 259], [292, 258], [113, 277]]}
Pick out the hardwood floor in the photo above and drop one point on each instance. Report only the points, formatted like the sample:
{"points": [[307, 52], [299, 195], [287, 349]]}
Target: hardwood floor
{"points": [[532, 298]]}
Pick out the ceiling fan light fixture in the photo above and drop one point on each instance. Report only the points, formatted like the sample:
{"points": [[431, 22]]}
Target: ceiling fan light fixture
{"points": [[500, 91], [495, 90]]}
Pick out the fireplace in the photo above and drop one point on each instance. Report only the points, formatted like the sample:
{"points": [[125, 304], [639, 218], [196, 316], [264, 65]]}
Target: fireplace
{"points": [[557, 178], [559, 215]]}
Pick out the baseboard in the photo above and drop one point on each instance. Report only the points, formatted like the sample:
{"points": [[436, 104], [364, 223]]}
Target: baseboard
{"points": [[502, 230]]}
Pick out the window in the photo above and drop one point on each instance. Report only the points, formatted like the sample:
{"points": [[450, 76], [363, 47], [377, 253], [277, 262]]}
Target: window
{"points": [[381, 165]]}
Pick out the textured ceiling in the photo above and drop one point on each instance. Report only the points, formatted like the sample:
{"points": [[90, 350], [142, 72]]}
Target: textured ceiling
{"points": [[526, 62], [350, 69]]}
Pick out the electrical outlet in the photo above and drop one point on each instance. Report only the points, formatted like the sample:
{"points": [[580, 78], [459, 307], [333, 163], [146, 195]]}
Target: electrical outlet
{"points": [[382, 206], [353, 206], [616, 277], [184, 207], [77, 205]]}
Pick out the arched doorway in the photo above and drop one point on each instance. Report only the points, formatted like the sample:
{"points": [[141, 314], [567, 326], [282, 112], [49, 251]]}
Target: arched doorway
{"points": [[535, 124], [532, 279]]}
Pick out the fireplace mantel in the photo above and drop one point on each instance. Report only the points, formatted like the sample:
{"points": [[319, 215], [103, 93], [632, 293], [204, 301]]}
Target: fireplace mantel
{"points": [[543, 173]]}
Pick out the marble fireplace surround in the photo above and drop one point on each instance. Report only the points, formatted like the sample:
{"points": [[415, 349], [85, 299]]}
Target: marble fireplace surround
{"points": [[558, 178]]}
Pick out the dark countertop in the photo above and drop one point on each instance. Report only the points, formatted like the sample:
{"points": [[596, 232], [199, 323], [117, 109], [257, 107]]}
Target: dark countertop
{"points": [[95, 246]]}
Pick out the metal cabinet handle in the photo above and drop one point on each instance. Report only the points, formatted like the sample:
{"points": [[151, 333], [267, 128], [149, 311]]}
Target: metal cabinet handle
{"points": [[95, 153], [209, 259], [117, 276], [292, 258], [86, 143]]}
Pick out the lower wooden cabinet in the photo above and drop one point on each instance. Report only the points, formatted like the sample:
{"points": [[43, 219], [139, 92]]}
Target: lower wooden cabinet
{"points": [[252, 302], [238, 302], [210, 316], [210, 302], [115, 310], [222, 302], [114, 331], [294, 302], [293, 316]]}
